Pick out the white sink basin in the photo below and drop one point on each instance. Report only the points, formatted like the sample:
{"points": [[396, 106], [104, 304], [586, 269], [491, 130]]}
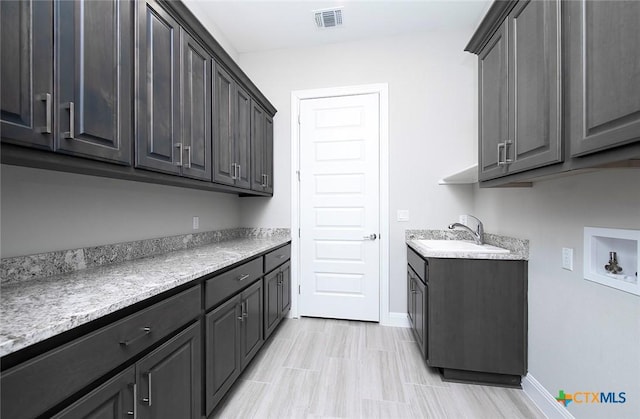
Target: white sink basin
{"points": [[461, 246]]}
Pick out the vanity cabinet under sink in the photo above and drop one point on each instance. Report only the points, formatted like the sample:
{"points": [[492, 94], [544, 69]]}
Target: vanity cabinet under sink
{"points": [[469, 316]]}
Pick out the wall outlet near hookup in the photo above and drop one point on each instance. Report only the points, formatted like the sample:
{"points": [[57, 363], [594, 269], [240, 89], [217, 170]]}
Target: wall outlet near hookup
{"points": [[196, 222]]}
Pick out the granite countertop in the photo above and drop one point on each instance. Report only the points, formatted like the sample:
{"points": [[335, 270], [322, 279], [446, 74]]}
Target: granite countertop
{"points": [[35, 310], [518, 248]]}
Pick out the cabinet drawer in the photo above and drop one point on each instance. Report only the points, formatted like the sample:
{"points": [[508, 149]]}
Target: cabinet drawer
{"points": [[35, 386], [223, 286], [277, 257], [418, 264]]}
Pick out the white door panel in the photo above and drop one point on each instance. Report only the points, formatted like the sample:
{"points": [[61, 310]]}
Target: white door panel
{"points": [[339, 206]]}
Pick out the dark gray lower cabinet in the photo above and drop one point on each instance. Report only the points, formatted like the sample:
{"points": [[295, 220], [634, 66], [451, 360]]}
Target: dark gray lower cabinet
{"points": [[277, 297], [164, 384], [169, 378], [114, 399], [234, 337], [471, 316]]}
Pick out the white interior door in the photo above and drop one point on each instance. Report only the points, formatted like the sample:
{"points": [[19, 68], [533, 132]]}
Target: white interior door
{"points": [[340, 207]]}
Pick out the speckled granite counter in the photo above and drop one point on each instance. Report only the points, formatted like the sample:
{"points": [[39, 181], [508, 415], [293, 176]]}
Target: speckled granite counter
{"points": [[37, 309], [518, 249]]}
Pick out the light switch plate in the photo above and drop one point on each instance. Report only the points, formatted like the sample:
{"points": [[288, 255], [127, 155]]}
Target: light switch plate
{"points": [[403, 215], [567, 258]]}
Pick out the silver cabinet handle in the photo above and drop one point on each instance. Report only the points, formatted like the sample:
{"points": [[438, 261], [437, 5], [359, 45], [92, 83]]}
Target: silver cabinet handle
{"points": [[233, 171], [264, 180], [243, 277], [371, 236], [71, 133], [179, 147], [187, 148], [134, 412], [46, 98], [245, 313], [507, 160], [241, 318], [281, 256], [147, 400], [500, 147], [128, 342], [503, 147], [239, 171]]}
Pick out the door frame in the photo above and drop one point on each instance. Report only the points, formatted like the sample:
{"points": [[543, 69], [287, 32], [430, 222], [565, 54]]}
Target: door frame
{"points": [[382, 90]]}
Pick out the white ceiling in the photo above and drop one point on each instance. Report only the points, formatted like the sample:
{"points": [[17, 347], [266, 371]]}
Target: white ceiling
{"points": [[259, 25]]}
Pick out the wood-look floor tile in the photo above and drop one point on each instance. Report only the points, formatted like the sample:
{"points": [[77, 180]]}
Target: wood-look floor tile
{"points": [[496, 401], [313, 324], [269, 360], [243, 401], [338, 393], [345, 341], [381, 377], [290, 394], [436, 402], [380, 338], [288, 329], [307, 351], [413, 368], [374, 409]]}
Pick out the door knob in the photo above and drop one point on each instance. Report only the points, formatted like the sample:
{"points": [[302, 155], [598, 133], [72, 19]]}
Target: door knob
{"points": [[371, 236]]}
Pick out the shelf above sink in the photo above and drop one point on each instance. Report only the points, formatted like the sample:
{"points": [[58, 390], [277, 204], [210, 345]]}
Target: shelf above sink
{"points": [[466, 176]]}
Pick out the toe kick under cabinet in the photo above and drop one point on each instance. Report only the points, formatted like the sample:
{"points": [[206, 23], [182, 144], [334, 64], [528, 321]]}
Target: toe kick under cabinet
{"points": [[174, 355], [469, 317]]}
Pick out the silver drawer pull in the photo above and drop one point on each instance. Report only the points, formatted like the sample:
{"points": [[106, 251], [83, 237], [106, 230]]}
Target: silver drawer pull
{"points": [[134, 412], [128, 342], [243, 277], [281, 256]]}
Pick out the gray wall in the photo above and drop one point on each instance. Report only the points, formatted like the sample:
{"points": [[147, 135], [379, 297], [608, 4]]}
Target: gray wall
{"points": [[42, 211], [583, 336], [432, 125]]}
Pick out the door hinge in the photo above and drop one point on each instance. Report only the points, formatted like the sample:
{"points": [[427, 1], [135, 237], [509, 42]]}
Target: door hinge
{"points": [[298, 172], [298, 119], [298, 289], [299, 233]]}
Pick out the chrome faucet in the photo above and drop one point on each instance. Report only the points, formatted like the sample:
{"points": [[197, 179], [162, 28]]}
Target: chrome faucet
{"points": [[478, 235]]}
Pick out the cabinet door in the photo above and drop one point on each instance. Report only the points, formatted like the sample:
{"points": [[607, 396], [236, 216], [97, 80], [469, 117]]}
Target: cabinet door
{"points": [[411, 310], [419, 290], [112, 400], [242, 124], [251, 337], [26, 76], [285, 289], [196, 109], [493, 105], [222, 350], [159, 89], [272, 302], [169, 378], [258, 147], [268, 154], [95, 83], [534, 85], [603, 74], [223, 143]]}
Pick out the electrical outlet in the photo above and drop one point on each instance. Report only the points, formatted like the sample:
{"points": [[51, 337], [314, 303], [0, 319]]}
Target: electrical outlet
{"points": [[403, 215], [196, 223], [567, 258], [463, 219]]}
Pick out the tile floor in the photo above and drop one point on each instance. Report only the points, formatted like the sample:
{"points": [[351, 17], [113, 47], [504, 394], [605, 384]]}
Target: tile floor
{"points": [[314, 368]]}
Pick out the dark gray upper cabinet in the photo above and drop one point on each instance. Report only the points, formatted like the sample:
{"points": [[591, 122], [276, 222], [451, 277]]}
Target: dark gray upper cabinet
{"points": [[603, 74], [169, 378], [231, 137], [261, 149], [196, 109], [534, 86], [520, 93], [224, 168], [94, 101], [26, 39], [493, 105], [157, 144]]}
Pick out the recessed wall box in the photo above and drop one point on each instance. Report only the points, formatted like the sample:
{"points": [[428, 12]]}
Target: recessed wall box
{"points": [[611, 257]]}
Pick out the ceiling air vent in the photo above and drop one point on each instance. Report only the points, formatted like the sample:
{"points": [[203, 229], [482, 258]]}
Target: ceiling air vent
{"points": [[328, 18]]}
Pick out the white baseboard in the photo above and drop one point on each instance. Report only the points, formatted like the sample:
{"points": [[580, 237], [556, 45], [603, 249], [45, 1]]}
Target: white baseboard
{"points": [[543, 399], [396, 320]]}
